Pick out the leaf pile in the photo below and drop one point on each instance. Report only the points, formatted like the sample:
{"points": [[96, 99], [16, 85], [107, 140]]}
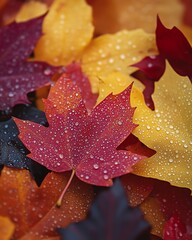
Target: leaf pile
{"points": [[105, 114]]}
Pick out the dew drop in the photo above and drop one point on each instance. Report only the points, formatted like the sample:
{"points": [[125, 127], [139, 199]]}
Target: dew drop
{"points": [[170, 160], [120, 122], [96, 166], [106, 177], [58, 164], [11, 94], [61, 156], [148, 127], [86, 177], [76, 124], [47, 71]]}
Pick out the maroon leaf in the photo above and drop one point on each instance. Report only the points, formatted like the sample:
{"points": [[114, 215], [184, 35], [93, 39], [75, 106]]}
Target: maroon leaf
{"points": [[75, 74], [17, 75], [110, 217], [174, 229], [173, 46]]}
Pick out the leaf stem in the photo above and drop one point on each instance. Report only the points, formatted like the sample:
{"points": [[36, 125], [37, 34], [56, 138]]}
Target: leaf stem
{"points": [[59, 201]]}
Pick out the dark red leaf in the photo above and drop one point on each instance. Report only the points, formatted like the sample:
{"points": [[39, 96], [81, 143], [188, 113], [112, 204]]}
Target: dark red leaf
{"points": [[175, 201], [110, 217], [75, 74], [153, 67], [134, 145], [173, 46], [17, 75], [150, 70], [174, 229], [82, 142]]}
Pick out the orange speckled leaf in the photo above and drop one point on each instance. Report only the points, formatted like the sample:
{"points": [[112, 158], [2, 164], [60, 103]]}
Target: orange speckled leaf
{"points": [[67, 31], [6, 228], [27, 205], [114, 53]]}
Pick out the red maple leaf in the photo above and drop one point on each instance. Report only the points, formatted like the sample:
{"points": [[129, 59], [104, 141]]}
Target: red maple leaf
{"points": [[81, 142], [17, 75]]}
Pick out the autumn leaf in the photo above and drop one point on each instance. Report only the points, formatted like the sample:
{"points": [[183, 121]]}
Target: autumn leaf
{"points": [[32, 209], [12, 151], [167, 130], [74, 71], [174, 46], [150, 70], [160, 202], [74, 140], [17, 75], [113, 53], [175, 230], [110, 217], [64, 40]]}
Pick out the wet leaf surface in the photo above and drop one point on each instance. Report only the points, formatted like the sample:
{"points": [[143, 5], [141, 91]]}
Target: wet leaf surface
{"points": [[110, 217], [33, 209], [17, 75], [80, 142]]}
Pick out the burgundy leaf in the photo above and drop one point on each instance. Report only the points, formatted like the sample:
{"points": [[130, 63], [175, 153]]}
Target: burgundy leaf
{"points": [[17, 75], [75, 74], [174, 229], [173, 46]]}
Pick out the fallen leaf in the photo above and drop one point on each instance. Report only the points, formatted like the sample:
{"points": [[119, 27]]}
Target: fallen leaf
{"points": [[12, 151], [67, 31], [33, 209], [6, 228], [109, 54], [80, 142], [18, 76], [175, 230], [167, 130], [174, 46], [150, 70], [75, 73], [110, 217], [160, 202]]}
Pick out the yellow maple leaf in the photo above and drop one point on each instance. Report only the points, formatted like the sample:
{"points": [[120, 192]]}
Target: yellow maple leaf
{"points": [[167, 130], [67, 31], [114, 53]]}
